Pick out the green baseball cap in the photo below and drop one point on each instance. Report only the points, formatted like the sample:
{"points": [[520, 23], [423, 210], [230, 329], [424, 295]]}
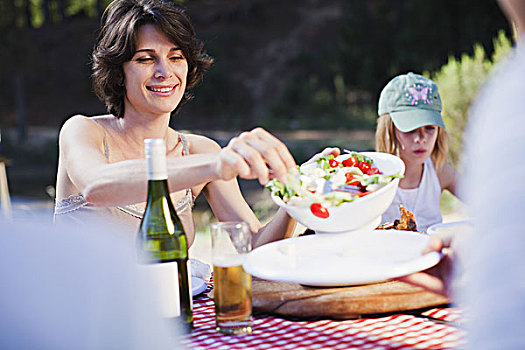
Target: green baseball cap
{"points": [[412, 101]]}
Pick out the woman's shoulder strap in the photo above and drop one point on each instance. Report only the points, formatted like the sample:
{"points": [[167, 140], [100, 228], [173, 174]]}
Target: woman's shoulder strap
{"points": [[185, 150], [106, 148]]}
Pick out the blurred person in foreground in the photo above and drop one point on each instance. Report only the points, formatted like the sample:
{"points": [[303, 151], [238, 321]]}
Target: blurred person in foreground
{"points": [[410, 126], [70, 287], [146, 60], [488, 276]]}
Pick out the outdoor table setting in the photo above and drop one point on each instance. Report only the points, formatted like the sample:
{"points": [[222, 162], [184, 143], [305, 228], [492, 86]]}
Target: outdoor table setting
{"points": [[431, 328], [334, 289]]}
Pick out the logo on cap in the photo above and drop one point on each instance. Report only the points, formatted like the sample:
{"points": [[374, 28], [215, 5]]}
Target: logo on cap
{"points": [[419, 93]]}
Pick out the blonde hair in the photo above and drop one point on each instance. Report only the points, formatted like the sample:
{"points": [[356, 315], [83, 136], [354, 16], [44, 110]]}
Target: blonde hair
{"points": [[387, 142]]}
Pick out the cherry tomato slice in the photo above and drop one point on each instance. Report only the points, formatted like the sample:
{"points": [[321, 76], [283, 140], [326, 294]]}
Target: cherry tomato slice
{"points": [[318, 210], [350, 180], [350, 161], [364, 166], [333, 163]]}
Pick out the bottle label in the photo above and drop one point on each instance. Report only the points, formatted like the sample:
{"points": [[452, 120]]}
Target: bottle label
{"points": [[165, 283]]}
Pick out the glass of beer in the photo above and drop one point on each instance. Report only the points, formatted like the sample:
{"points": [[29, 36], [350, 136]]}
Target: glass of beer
{"points": [[232, 293]]}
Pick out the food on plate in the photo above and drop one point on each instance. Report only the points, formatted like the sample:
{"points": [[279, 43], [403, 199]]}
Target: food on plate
{"points": [[407, 222], [331, 181]]}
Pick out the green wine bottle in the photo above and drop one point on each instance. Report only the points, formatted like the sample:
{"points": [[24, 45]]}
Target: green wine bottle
{"points": [[162, 243]]}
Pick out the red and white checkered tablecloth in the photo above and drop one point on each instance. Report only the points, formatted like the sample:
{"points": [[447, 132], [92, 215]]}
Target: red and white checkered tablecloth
{"points": [[400, 331]]}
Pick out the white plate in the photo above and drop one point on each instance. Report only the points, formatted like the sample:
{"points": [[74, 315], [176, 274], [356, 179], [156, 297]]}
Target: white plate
{"points": [[352, 258], [198, 285], [452, 226]]}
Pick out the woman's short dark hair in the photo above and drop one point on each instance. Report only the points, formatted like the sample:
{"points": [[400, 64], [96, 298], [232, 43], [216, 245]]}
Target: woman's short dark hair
{"points": [[117, 39]]}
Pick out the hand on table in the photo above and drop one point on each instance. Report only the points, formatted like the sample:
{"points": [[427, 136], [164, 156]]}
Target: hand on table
{"points": [[437, 279], [253, 155]]}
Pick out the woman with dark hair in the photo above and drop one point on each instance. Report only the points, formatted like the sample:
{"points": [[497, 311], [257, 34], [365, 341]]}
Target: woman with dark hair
{"points": [[145, 62], [114, 47]]}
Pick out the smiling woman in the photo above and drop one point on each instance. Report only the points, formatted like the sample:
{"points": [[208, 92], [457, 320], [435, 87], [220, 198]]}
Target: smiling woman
{"points": [[115, 47], [145, 62], [155, 77]]}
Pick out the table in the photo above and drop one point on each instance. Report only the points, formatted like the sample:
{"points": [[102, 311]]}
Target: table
{"points": [[397, 331]]}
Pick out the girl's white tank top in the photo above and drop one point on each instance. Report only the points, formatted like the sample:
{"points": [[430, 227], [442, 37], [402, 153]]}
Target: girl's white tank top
{"points": [[423, 201]]}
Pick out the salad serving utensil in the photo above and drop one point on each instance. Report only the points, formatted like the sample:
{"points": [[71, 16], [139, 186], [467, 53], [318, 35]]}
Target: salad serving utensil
{"points": [[328, 187]]}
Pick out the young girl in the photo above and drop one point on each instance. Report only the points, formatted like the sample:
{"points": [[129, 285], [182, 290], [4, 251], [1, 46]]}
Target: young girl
{"points": [[410, 126]]}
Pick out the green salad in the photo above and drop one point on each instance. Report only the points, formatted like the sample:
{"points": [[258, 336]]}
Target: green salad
{"points": [[331, 181]]}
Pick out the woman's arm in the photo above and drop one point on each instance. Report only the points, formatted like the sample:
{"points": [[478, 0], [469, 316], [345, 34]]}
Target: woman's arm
{"points": [[281, 226], [228, 204], [251, 155], [120, 183]]}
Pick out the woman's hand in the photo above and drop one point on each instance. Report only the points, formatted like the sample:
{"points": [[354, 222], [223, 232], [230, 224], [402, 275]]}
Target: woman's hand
{"points": [[437, 279], [326, 152], [253, 155]]}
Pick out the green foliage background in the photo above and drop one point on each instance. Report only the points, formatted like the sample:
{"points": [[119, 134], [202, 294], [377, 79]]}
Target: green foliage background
{"points": [[376, 41], [459, 81], [331, 81]]}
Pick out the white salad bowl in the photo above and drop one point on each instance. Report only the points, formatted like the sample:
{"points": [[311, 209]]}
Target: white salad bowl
{"points": [[362, 214]]}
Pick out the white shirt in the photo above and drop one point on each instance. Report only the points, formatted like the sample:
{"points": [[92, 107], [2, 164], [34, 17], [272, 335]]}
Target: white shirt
{"points": [[422, 201], [494, 189]]}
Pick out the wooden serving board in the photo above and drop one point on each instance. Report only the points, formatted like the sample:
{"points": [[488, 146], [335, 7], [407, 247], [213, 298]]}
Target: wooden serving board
{"points": [[295, 300]]}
